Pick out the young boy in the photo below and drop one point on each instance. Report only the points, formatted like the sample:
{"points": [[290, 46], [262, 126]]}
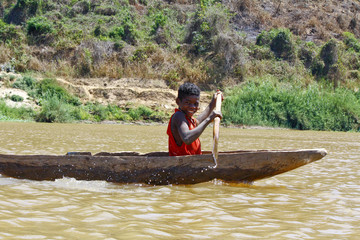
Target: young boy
{"points": [[184, 130]]}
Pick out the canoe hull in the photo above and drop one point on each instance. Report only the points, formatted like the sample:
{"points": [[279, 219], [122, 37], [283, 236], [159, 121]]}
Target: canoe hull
{"points": [[158, 168]]}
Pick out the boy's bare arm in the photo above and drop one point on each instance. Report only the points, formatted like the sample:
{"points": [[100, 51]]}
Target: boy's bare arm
{"points": [[188, 136], [210, 108]]}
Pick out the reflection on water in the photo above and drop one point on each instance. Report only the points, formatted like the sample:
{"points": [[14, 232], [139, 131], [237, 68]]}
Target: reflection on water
{"points": [[317, 201]]}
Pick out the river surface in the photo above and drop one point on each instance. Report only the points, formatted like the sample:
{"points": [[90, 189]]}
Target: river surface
{"points": [[317, 201]]}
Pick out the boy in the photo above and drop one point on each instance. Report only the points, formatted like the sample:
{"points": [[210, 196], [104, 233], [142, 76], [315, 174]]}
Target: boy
{"points": [[184, 130]]}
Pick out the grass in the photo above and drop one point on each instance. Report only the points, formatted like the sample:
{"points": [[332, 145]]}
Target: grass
{"points": [[9, 114], [269, 103], [58, 105]]}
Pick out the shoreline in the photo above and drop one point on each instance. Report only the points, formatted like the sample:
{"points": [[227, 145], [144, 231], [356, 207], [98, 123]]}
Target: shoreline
{"points": [[142, 123]]}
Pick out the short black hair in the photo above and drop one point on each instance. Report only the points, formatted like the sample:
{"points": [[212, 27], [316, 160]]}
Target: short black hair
{"points": [[188, 89]]}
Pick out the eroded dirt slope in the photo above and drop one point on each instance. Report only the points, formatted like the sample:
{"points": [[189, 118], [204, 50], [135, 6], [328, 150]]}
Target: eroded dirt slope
{"points": [[126, 92]]}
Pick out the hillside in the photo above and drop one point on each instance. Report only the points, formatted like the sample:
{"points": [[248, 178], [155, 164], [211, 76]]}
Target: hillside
{"points": [[206, 42], [137, 52]]}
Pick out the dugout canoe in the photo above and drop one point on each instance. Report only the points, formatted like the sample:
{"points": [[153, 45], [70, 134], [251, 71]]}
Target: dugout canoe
{"points": [[158, 168]]}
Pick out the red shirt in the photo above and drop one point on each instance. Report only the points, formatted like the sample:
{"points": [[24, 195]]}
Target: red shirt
{"points": [[191, 149]]}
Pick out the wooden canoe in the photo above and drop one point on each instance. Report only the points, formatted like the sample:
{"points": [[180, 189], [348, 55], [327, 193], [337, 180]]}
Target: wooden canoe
{"points": [[158, 168]]}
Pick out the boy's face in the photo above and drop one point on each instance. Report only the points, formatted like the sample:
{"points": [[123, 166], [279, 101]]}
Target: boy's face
{"points": [[189, 104]]}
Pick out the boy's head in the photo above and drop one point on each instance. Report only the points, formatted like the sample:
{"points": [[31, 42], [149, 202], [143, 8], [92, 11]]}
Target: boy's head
{"points": [[188, 89], [188, 98]]}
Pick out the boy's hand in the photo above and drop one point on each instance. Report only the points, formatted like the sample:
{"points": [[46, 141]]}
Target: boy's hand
{"points": [[215, 96], [217, 93], [215, 114]]}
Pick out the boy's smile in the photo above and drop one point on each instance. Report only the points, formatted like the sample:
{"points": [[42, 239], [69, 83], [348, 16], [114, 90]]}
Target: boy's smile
{"points": [[189, 104]]}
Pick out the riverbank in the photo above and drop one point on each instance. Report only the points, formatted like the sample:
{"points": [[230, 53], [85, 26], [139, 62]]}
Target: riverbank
{"points": [[74, 100], [257, 103]]}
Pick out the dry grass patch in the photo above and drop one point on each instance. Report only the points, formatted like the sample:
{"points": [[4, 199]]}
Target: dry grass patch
{"points": [[5, 54]]}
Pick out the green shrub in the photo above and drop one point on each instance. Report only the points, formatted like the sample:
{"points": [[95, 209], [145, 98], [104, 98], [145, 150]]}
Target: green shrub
{"points": [[265, 37], [117, 32], [307, 53], [9, 113], [261, 52], [317, 67], [329, 54], [159, 20], [209, 20], [270, 104], [130, 32], [351, 59], [118, 45], [351, 41], [107, 10], [22, 10], [99, 31], [31, 5], [116, 113], [54, 109], [97, 111], [39, 26], [50, 88], [143, 52], [140, 113], [80, 113], [84, 65], [9, 32], [26, 83], [172, 79], [16, 98], [282, 45]]}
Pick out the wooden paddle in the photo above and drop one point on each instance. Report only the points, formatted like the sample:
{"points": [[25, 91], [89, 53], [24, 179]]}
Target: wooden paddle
{"points": [[216, 129]]}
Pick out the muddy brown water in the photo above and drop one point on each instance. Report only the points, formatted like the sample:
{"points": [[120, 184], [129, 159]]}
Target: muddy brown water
{"points": [[317, 201]]}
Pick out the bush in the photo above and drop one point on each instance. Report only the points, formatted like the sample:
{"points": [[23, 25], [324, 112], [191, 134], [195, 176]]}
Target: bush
{"points": [[9, 32], [329, 54], [130, 32], [317, 67], [39, 26], [283, 46], [116, 113], [260, 52], [265, 37], [159, 20], [16, 98], [10, 113], [307, 53], [97, 111], [117, 32], [26, 83], [50, 88], [209, 20], [140, 113], [351, 41], [54, 109], [270, 104], [99, 31], [22, 10]]}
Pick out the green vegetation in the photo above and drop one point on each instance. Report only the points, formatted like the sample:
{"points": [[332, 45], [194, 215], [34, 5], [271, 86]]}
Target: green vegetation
{"points": [[39, 26], [283, 78], [58, 105], [272, 104], [13, 114], [16, 98]]}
